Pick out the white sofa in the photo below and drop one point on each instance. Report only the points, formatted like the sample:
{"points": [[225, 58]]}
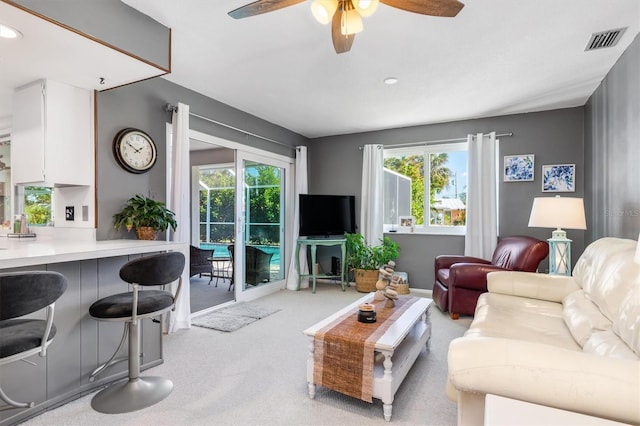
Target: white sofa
{"points": [[567, 342]]}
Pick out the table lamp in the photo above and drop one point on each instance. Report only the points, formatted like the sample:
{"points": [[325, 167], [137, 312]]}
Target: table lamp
{"points": [[558, 212]]}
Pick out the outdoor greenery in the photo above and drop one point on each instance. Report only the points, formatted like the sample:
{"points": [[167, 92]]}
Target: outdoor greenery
{"points": [[263, 204], [37, 205], [221, 183], [413, 166], [143, 211], [361, 255]]}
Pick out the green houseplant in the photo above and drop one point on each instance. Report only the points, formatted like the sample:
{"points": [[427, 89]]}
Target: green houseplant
{"points": [[365, 259], [146, 215]]}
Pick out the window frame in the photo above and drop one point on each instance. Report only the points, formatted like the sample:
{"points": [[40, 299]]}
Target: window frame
{"points": [[425, 150]]}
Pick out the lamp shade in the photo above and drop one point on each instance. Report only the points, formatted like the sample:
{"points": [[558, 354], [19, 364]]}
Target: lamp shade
{"points": [[365, 7], [323, 10], [351, 22], [558, 212]]}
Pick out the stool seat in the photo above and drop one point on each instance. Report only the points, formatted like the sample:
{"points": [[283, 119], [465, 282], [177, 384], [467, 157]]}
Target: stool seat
{"points": [[22, 335], [131, 307], [119, 307], [22, 294]]}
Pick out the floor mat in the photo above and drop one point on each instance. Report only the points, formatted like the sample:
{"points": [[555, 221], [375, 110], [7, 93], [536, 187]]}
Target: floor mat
{"points": [[233, 317]]}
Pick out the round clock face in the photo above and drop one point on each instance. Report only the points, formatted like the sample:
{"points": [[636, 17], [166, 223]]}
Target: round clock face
{"points": [[134, 150]]}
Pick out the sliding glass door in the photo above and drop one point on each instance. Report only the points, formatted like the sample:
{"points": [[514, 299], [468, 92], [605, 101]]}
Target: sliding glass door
{"points": [[260, 226]]}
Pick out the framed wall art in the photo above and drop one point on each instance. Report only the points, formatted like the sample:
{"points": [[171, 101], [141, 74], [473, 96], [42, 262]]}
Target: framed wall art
{"points": [[559, 178], [518, 168]]}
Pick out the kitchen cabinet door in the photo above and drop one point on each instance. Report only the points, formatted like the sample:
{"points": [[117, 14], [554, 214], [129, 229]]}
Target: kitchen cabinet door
{"points": [[52, 137]]}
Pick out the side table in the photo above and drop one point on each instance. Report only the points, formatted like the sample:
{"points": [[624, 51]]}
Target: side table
{"points": [[313, 243], [220, 269]]}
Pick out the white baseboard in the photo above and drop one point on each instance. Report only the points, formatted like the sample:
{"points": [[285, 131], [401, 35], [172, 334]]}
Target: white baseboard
{"points": [[422, 292]]}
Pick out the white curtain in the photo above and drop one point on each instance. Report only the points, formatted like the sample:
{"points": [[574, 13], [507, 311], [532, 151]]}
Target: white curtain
{"points": [[372, 198], [482, 215], [178, 201], [300, 187]]}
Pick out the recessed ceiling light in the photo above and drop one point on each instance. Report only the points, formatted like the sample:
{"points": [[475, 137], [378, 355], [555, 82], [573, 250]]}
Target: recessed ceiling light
{"points": [[390, 80], [9, 33]]}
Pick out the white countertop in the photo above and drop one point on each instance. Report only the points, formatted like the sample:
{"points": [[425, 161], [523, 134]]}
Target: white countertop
{"points": [[18, 252]]}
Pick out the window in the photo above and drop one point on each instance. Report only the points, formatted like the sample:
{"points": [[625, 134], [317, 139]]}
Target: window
{"points": [[5, 180], [427, 182], [217, 198], [35, 202], [38, 205]]}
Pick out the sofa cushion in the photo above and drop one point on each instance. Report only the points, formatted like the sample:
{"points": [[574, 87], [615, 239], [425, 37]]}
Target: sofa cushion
{"points": [[443, 276], [530, 320], [609, 277], [583, 317], [627, 323], [604, 271], [607, 343]]}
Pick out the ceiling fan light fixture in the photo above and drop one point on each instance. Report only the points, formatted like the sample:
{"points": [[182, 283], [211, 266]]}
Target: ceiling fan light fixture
{"points": [[323, 10], [365, 7], [351, 21]]}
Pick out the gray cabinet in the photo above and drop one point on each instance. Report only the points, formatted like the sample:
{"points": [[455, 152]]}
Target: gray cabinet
{"points": [[81, 343]]}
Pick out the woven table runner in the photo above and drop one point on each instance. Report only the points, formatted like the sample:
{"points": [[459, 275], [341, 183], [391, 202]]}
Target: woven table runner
{"points": [[343, 351]]}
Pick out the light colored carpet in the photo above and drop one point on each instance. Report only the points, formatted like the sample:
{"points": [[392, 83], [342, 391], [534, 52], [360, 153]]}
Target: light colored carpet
{"points": [[234, 317], [257, 376]]}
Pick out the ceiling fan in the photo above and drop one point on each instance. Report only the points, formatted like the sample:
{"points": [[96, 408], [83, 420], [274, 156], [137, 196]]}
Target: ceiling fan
{"points": [[346, 15]]}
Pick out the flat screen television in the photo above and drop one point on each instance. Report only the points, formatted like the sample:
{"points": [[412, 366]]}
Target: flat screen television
{"points": [[325, 215]]}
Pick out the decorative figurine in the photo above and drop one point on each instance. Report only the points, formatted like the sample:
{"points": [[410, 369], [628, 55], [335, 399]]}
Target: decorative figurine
{"points": [[391, 292]]}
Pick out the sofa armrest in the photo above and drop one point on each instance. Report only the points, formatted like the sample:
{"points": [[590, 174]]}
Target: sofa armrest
{"points": [[553, 288], [542, 374], [445, 261], [471, 275]]}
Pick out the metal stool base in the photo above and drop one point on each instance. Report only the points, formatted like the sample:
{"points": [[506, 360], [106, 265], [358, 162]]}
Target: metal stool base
{"points": [[132, 395]]}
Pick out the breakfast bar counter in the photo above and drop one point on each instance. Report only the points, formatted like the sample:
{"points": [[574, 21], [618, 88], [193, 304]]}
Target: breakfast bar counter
{"points": [[81, 343], [19, 252]]}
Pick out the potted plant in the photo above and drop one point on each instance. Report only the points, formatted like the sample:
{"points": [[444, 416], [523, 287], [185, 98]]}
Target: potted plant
{"points": [[365, 259], [147, 216]]}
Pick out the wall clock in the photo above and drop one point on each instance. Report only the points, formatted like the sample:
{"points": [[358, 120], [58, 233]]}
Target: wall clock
{"points": [[134, 150]]}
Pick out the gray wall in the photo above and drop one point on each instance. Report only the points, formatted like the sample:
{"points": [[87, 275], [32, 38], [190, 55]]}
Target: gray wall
{"points": [[601, 139], [142, 105], [335, 166], [612, 150]]}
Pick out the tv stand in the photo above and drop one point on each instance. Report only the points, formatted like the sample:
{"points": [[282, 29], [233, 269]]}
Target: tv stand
{"points": [[313, 243]]}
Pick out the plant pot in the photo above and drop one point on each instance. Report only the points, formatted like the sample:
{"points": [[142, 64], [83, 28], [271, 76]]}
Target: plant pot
{"points": [[146, 233], [366, 280]]}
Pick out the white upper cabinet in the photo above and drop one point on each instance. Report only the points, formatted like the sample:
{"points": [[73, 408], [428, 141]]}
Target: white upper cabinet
{"points": [[52, 137]]}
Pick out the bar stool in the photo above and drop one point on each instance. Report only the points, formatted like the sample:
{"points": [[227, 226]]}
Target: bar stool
{"points": [[130, 307], [23, 293]]}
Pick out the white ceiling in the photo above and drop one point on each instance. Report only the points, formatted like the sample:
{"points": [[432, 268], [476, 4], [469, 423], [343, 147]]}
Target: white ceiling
{"points": [[496, 57], [49, 51]]}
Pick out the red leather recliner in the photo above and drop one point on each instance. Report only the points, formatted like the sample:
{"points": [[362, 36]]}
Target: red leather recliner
{"points": [[460, 280]]}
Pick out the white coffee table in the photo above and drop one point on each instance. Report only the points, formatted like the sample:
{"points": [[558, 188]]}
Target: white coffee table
{"points": [[400, 345]]}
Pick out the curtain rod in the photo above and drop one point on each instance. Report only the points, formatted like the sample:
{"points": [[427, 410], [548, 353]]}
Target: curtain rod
{"points": [[403, 145], [172, 108]]}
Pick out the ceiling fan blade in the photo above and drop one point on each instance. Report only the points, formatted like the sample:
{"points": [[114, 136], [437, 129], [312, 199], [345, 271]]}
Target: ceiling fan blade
{"points": [[261, 6], [341, 43], [445, 8]]}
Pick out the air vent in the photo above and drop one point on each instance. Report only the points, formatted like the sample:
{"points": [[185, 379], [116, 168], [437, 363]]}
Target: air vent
{"points": [[604, 39]]}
